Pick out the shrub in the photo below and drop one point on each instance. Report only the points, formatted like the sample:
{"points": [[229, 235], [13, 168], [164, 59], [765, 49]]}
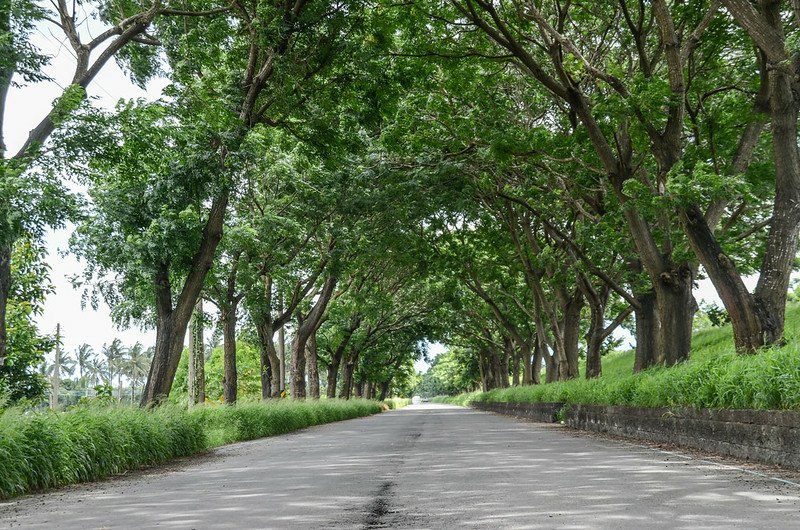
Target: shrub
{"points": [[44, 449]]}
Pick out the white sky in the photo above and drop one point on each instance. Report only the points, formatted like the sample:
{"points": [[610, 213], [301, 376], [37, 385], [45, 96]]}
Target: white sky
{"points": [[25, 107]]}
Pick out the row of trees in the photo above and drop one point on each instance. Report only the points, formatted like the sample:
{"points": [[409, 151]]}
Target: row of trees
{"points": [[509, 177]]}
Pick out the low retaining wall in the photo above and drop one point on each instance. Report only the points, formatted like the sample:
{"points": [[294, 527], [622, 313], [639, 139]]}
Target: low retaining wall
{"points": [[771, 437], [542, 412]]}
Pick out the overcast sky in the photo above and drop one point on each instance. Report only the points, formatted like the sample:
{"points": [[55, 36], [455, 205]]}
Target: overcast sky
{"points": [[25, 107]]}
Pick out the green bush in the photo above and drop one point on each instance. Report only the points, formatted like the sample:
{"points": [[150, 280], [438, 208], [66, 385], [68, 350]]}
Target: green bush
{"points": [[44, 449]]}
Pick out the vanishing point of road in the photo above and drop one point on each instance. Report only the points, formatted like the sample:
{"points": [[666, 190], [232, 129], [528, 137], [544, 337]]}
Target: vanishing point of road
{"points": [[428, 466]]}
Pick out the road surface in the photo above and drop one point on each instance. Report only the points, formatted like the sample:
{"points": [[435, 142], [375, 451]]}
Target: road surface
{"points": [[428, 466]]}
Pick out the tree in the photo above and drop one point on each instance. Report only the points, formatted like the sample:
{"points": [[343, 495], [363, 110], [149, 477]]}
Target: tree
{"points": [[31, 200], [26, 346]]}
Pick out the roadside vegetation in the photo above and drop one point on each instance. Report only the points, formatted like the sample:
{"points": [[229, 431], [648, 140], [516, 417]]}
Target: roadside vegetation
{"points": [[714, 377], [396, 403], [45, 449]]}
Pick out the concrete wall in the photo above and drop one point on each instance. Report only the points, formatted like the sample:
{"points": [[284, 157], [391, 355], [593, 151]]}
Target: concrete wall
{"points": [[771, 437], [541, 412]]}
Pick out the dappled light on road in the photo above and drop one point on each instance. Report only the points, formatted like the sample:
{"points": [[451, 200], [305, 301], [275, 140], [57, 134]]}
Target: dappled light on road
{"points": [[427, 466]]}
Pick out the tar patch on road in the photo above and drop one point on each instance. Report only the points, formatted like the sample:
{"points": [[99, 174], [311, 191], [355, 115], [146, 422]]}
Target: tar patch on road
{"points": [[379, 507]]}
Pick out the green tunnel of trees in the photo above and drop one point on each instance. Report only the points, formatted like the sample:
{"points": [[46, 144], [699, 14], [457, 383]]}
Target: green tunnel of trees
{"points": [[516, 179]]}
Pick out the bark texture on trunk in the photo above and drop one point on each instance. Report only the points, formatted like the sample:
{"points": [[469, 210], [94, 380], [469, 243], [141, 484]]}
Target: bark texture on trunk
{"points": [[171, 323], [311, 366], [197, 358], [648, 332], [306, 327], [571, 329], [230, 379], [338, 354], [269, 361], [348, 371]]}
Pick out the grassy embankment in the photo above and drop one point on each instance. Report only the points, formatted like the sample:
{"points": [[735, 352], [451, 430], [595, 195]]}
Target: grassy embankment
{"points": [[40, 450], [714, 377]]}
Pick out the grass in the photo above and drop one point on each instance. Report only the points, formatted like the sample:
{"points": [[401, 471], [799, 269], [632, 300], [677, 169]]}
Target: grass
{"points": [[40, 450], [396, 403], [714, 377]]}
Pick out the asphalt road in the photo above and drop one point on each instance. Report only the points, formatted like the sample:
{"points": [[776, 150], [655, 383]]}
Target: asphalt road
{"points": [[428, 466]]}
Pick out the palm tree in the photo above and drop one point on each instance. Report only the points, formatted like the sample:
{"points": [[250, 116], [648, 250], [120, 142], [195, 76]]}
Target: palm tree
{"points": [[97, 371], [137, 365], [115, 360], [83, 355]]}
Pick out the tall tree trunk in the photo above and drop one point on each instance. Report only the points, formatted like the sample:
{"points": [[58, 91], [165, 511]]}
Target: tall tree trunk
{"points": [[648, 332], [311, 364], [171, 323], [551, 367], [348, 371], [766, 28], [197, 358], [538, 358], [282, 359], [306, 326], [527, 368], [5, 291], [676, 308], [269, 361], [298, 375], [358, 389], [594, 335], [385, 385], [571, 329], [338, 354], [230, 380], [482, 370]]}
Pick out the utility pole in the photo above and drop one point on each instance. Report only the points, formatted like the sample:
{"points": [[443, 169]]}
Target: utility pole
{"points": [[55, 380]]}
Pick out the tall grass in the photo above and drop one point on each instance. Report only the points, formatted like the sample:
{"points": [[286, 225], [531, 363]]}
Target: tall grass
{"points": [[396, 403], [714, 377], [40, 450]]}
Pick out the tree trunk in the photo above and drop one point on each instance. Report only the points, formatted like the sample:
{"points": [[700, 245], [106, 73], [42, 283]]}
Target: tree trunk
{"points": [[311, 365], [269, 361], [551, 367], [229, 377], [348, 369], [496, 373], [282, 358], [5, 291], [384, 390], [648, 332], [770, 294], [358, 390], [306, 327], [676, 308], [515, 366], [171, 323], [594, 335], [197, 359], [538, 358], [527, 367], [571, 329], [298, 375]]}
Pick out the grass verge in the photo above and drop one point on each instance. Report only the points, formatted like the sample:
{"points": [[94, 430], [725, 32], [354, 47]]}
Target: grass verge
{"points": [[714, 377], [40, 450]]}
